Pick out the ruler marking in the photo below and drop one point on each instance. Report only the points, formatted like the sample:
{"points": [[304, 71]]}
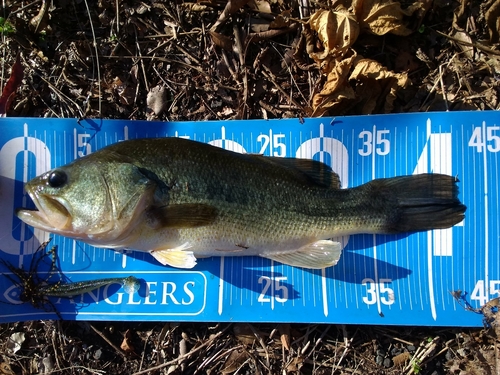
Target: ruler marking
{"points": [[463, 192], [324, 291], [242, 291], [348, 184], [303, 288], [271, 146], [486, 221], [272, 285], [375, 265], [399, 296], [397, 283], [323, 275], [124, 260], [375, 274], [315, 273], [477, 209], [430, 275], [75, 145], [431, 235], [231, 277]]}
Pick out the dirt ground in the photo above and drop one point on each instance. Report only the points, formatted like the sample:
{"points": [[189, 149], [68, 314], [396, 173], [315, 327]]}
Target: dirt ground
{"points": [[214, 59]]}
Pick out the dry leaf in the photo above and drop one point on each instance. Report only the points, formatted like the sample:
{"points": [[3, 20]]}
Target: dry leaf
{"points": [[194, 7], [232, 6], [259, 25], [491, 310], [321, 104], [255, 37], [295, 365], [376, 86], [15, 342], [244, 333], [401, 359], [385, 16], [157, 100], [126, 345], [234, 361], [261, 6], [337, 88], [284, 330], [338, 74], [464, 37], [221, 41], [5, 369], [337, 30], [226, 111], [459, 14], [493, 21], [40, 23], [281, 21]]}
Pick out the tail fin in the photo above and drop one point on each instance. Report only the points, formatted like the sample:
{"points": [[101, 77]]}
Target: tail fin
{"points": [[422, 202]]}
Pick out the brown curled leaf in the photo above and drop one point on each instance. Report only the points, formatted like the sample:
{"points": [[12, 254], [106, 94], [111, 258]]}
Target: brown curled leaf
{"points": [[386, 16], [337, 30], [493, 21], [232, 7], [221, 40], [376, 86]]}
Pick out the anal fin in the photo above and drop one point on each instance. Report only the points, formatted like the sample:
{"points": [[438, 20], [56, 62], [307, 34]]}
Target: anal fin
{"points": [[177, 257], [318, 255]]}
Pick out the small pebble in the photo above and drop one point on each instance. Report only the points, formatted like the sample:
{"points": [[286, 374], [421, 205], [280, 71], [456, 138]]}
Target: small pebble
{"points": [[379, 360], [97, 354], [387, 362], [411, 348], [395, 351]]}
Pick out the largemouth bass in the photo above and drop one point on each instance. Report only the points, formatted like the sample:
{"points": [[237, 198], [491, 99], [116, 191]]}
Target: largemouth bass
{"points": [[180, 199]]}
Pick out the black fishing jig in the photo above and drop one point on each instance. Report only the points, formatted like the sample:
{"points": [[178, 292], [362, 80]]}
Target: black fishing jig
{"points": [[35, 290]]}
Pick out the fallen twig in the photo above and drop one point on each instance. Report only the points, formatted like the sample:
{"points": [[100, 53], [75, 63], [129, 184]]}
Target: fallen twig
{"points": [[163, 365]]}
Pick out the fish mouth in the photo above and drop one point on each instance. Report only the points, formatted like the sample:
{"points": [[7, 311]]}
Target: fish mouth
{"points": [[51, 214]]}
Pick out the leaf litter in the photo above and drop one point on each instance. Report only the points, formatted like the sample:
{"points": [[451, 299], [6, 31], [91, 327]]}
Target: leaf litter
{"points": [[241, 59]]}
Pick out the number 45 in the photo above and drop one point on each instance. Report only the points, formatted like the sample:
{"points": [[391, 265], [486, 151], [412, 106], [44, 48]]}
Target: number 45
{"points": [[480, 294], [477, 139]]}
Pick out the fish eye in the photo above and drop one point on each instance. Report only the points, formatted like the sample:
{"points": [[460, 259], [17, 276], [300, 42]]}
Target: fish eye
{"points": [[57, 178]]}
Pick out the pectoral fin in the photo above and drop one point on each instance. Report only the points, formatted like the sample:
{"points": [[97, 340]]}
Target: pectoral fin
{"points": [[176, 257], [178, 216], [320, 254]]}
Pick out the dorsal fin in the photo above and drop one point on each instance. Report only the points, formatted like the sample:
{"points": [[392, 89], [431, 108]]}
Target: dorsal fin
{"points": [[318, 172]]}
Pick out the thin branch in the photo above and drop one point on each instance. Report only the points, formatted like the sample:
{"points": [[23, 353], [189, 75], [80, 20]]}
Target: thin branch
{"points": [[118, 350], [96, 59], [163, 365]]}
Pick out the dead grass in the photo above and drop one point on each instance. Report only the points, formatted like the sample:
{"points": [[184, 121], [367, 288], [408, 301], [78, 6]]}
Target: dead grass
{"points": [[199, 348]]}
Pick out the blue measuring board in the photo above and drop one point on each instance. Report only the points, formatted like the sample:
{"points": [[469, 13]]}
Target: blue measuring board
{"points": [[394, 280]]}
